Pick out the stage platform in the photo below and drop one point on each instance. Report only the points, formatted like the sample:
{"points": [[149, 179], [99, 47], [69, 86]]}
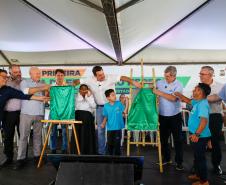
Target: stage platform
{"points": [[30, 175]]}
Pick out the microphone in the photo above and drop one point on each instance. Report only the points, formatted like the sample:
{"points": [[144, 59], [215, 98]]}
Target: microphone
{"points": [[165, 86]]}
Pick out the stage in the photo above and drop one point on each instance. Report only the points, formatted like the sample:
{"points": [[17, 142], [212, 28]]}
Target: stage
{"points": [[30, 175]]}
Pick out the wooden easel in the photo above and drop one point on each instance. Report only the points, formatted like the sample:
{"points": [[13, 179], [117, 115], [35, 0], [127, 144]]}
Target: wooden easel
{"points": [[54, 122], [143, 142]]}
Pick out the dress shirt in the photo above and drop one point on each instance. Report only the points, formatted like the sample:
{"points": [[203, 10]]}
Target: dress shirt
{"points": [[167, 107], [215, 107], [98, 88]]}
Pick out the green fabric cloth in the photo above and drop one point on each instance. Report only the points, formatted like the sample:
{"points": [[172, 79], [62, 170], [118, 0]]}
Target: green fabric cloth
{"points": [[62, 103], [143, 113]]}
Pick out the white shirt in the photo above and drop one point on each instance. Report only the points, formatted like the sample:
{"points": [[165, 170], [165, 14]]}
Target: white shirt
{"points": [[87, 103], [216, 107], [98, 88]]}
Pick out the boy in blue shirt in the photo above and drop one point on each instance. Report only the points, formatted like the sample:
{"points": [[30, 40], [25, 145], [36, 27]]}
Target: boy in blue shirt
{"points": [[113, 117], [198, 125]]}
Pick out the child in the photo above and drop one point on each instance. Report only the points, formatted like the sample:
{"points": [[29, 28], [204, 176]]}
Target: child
{"points": [[198, 125], [113, 116]]}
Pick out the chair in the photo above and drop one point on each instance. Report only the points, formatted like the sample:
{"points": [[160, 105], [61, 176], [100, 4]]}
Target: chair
{"points": [[185, 116]]}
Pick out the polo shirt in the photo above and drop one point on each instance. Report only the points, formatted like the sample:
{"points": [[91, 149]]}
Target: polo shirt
{"points": [[200, 109]]}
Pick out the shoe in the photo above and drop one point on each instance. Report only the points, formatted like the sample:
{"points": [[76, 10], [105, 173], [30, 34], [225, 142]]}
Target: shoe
{"points": [[200, 183], [165, 162], [194, 177], [179, 167], [6, 162], [53, 151], [218, 170], [19, 164]]}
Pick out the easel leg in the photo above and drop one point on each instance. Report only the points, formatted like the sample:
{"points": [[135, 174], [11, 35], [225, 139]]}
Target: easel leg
{"points": [[76, 139], [159, 151], [45, 144], [128, 143]]}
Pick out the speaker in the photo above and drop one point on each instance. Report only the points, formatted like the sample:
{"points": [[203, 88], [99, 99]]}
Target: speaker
{"points": [[97, 170], [94, 174]]}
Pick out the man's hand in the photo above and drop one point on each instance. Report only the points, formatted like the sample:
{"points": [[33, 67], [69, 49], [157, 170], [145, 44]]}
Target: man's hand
{"points": [[102, 125], [137, 84], [194, 138], [41, 98], [45, 87]]}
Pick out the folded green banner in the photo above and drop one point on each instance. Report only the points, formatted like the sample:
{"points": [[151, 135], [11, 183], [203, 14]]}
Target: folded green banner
{"points": [[62, 103], [143, 114]]}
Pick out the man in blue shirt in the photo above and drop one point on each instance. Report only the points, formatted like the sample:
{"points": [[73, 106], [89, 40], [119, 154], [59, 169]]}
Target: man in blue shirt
{"points": [[170, 116], [113, 116], [198, 125]]}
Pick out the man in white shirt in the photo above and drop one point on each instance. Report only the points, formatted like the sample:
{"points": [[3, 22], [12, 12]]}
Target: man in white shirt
{"points": [[98, 84], [215, 118]]}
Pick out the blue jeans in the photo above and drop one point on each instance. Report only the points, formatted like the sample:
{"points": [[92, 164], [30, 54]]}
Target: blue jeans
{"points": [[53, 138], [100, 131]]}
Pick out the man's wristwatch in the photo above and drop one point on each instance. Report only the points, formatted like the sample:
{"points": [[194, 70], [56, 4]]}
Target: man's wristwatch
{"points": [[197, 134]]}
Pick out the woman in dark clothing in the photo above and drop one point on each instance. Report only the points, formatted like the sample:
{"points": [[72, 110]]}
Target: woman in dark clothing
{"points": [[86, 131]]}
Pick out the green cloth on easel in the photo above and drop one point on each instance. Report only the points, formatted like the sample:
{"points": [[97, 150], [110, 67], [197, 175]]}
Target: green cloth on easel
{"points": [[62, 103], [143, 114]]}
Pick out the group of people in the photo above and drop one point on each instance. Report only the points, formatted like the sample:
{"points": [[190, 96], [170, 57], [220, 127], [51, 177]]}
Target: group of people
{"points": [[204, 124], [98, 92], [27, 113]]}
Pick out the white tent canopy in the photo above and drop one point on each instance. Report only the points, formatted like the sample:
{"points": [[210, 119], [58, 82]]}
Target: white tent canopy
{"points": [[87, 32]]}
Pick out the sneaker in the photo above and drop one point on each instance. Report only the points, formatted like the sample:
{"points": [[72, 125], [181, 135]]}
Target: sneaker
{"points": [[200, 183], [194, 177], [179, 167], [218, 170]]}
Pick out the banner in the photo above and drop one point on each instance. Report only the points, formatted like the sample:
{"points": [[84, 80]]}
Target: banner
{"points": [[143, 113], [62, 103]]}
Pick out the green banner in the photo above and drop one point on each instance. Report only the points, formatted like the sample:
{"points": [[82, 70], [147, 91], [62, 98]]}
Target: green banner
{"points": [[143, 113], [62, 103]]}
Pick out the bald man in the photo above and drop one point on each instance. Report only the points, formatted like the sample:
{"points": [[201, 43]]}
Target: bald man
{"points": [[31, 113]]}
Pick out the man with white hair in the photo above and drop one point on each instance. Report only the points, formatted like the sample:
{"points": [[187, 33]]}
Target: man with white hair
{"points": [[215, 118], [170, 116], [31, 113]]}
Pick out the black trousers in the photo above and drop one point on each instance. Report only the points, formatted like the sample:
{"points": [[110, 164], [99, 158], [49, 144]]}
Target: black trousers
{"points": [[114, 142], [9, 122], [168, 125], [215, 125], [200, 158]]}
